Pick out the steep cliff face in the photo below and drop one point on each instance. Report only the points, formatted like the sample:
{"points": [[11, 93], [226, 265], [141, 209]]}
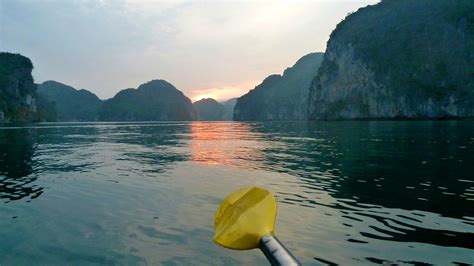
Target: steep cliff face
{"points": [[280, 97], [17, 89], [156, 100], [398, 59], [209, 109], [70, 104]]}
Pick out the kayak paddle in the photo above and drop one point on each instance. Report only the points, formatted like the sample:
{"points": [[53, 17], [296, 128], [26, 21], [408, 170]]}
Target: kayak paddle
{"points": [[246, 220]]}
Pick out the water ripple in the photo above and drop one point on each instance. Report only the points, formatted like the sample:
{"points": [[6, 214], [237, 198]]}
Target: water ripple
{"points": [[126, 193]]}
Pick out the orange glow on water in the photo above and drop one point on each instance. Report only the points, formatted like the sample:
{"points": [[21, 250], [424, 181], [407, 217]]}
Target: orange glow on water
{"points": [[208, 145], [219, 143]]}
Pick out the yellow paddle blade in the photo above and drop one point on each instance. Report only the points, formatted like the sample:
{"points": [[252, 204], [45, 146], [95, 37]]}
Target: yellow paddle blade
{"points": [[244, 217]]}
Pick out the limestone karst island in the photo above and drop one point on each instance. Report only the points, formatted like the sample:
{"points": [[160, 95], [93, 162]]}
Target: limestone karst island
{"points": [[237, 132]]}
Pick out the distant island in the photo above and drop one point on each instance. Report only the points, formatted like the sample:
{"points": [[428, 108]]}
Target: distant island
{"points": [[209, 110], [68, 103], [229, 106], [393, 60], [156, 100], [280, 97]]}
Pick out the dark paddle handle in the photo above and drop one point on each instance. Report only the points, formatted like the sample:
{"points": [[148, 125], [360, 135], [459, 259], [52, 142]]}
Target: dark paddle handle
{"points": [[275, 252]]}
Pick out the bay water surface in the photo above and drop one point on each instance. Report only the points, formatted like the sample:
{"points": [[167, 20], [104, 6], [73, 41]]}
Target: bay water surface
{"points": [[146, 193]]}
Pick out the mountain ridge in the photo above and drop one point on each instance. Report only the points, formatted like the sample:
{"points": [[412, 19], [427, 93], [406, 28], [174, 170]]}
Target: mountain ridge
{"points": [[280, 97], [155, 100], [71, 104]]}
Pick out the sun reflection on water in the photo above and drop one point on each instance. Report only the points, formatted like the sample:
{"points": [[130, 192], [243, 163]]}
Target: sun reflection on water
{"points": [[220, 143]]}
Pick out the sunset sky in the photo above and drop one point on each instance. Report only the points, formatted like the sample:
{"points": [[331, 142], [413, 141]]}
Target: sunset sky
{"points": [[218, 49]]}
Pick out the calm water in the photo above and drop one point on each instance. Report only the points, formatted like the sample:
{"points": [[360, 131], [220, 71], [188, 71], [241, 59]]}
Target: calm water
{"points": [[348, 192]]}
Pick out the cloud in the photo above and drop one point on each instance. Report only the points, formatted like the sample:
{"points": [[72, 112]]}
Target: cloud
{"points": [[223, 92], [105, 46]]}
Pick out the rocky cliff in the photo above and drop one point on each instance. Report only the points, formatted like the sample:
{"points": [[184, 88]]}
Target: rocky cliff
{"points": [[209, 109], [398, 59], [280, 97], [153, 101], [70, 104], [17, 89]]}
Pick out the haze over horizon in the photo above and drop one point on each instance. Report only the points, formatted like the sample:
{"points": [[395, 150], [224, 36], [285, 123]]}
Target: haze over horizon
{"points": [[204, 48]]}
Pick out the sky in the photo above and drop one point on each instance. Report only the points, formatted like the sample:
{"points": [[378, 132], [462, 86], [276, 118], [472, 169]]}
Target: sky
{"points": [[218, 49]]}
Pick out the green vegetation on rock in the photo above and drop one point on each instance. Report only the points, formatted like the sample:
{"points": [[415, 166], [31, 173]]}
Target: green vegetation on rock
{"points": [[17, 89], [399, 59]]}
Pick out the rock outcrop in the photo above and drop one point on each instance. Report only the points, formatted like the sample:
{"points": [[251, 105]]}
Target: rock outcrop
{"points": [[209, 109], [280, 97], [156, 100], [17, 89], [70, 104], [398, 59]]}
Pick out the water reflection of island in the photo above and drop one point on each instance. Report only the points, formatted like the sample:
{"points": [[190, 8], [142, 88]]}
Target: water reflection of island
{"points": [[365, 167], [369, 160], [412, 167], [16, 178], [151, 147]]}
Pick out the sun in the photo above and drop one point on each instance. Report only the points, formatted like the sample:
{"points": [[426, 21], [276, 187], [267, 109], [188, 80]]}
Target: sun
{"points": [[198, 97]]}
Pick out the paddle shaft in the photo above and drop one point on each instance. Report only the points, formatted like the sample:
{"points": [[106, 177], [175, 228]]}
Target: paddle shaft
{"points": [[275, 252]]}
